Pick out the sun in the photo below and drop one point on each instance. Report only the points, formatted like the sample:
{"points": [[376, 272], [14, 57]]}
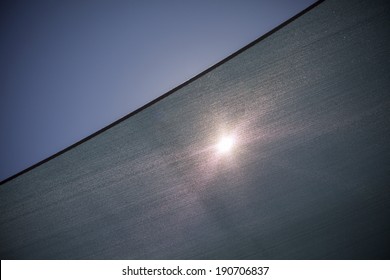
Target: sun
{"points": [[225, 144]]}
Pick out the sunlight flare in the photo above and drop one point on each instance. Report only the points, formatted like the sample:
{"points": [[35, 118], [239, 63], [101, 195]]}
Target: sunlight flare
{"points": [[225, 144]]}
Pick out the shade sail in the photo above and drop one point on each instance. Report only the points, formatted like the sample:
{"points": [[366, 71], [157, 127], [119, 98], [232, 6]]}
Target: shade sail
{"points": [[279, 152]]}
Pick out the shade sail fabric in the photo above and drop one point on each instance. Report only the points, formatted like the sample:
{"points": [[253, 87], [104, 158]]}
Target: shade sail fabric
{"points": [[307, 175]]}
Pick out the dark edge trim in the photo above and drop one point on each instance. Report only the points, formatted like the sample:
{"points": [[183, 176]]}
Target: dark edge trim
{"points": [[167, 93]]}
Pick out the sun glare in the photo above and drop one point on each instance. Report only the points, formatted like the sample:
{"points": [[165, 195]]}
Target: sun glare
{"points": [[225, 144]]}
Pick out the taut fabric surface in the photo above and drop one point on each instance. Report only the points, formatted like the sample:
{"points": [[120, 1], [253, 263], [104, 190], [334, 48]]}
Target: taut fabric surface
{"points": [[307, 176]]}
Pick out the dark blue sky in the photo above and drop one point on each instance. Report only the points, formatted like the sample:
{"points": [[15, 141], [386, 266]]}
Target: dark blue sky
{"points": [[71, 68]]}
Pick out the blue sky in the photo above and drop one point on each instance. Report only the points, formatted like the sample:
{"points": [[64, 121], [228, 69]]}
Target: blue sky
{"points": [[71, 68]]}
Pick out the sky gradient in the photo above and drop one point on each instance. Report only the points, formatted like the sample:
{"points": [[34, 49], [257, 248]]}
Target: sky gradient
{"points": [[71, 68]]}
